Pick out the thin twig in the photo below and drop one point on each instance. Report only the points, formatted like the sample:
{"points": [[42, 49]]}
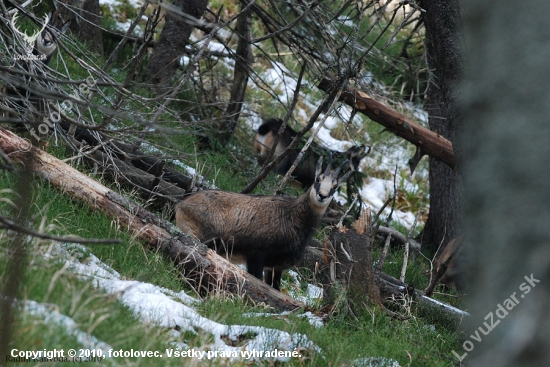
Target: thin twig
{"points": [[384, 253], [341, 222], [405, 262]]}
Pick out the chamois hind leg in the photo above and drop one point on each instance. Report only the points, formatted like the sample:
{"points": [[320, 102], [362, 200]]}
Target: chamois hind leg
{"points": [[255, 265], [273, 277]]}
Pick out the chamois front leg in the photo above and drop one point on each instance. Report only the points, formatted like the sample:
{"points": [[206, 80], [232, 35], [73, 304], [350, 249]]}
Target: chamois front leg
{"points": [[255, 265], [273, 278]]}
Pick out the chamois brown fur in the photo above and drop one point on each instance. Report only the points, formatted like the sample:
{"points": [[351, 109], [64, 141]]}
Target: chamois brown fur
{"points": [[268, 231], [305, 171]]}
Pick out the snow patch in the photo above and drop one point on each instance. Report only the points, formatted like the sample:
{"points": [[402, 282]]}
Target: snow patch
{"points": [[376, 191], [166, 308], [110, 3], [52, 316], [375, 362]]}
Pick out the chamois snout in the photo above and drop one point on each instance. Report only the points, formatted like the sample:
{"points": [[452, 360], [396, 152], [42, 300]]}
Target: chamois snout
{"points": [[45, 43]]}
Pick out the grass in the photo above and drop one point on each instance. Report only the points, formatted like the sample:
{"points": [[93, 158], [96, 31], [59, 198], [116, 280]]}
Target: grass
{"points": [[55, 212], [370, 333], [426, 338]]}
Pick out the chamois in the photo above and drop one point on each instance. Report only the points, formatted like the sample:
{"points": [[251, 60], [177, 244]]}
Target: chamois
{"points": [[304, 172], [268, 231]]}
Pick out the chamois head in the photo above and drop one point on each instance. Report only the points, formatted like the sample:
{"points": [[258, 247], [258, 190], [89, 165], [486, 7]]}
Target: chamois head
{"points": [[264, 139], [326, 184], [46, 44], [355, 154]]}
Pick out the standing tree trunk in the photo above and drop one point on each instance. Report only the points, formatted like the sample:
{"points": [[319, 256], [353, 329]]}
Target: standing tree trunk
{"points": [[506, 155], [170, 47], [243, 64], [443, 44], [88, 27], [85, 21]]}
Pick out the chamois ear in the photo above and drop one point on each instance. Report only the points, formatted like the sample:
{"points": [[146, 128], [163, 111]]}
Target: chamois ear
{"points": [[65, 26], [366, 150], [344, 178], [337, 171], [362, 152], [319, 167]]}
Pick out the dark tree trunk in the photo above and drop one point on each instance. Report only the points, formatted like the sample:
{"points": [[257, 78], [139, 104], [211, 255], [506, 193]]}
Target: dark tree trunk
{"points": [[88, 27], [171, 44], [443, 43], [506, 151], [243, 64]]}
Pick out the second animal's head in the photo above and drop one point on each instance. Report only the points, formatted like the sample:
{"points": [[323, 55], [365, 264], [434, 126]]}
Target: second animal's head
{"points": [[304, 172]]}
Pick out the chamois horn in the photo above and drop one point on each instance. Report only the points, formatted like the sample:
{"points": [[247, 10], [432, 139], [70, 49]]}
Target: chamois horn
{"points": [[337, 171], [327, 171]]}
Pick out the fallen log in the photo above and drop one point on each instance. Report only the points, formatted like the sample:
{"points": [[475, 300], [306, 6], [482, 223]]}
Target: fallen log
{"points": [[165, 194], [400, 237], [136, 163], [204, 268], [425, 140]]}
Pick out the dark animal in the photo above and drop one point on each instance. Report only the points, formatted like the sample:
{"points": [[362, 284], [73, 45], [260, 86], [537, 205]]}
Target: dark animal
{"points": [[268, 231], [304, 172]]}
